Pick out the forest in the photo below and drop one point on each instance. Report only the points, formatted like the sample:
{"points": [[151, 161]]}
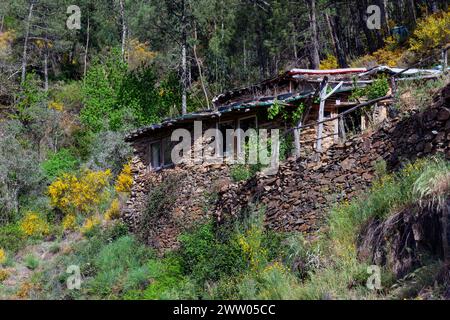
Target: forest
{"points": [[78, 76]]}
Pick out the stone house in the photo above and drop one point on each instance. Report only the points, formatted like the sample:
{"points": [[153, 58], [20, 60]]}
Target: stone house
{"points": [[246, 108]]}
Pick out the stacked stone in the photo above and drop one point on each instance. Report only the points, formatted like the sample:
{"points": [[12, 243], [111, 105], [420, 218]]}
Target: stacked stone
{"points": [[301, 193]]}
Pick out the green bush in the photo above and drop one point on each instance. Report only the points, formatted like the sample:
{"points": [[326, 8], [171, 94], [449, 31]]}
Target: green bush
{"points": [[166, 278], [58, 163], [206, 258], [241, 172], [12, 239]]}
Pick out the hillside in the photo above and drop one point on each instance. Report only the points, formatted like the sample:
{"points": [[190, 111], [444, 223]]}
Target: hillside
{"points": [[92, 205]]}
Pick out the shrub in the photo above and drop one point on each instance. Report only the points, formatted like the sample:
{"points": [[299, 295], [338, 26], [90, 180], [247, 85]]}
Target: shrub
{"points": [[55, 105], [2, 256], [240, 172], [31, 262], [391, 55], [12, 238], [54, 248], [69, 95], [431, 33], [378, 88], [34, 225], [165, 278], [107, 150], [69, 222], [205, 257], [79, 194], [114, 210], [19, 169], [272, 283], [329, 63], [58, 163], [4, 274], [90, 225], [124, 180]]}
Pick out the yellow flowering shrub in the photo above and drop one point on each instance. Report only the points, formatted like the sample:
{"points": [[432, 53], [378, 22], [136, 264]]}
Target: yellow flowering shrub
{"points": [[275, 266], [25, 289], [69, 222], [390, 55], [329, 63], [431, 33], [139, 53], [114, 210], [89, 224], [2, 256], [124, 180], [251, 245], [58, 106], [4, 274], [79, 194], [34, 225], [6, 39]]}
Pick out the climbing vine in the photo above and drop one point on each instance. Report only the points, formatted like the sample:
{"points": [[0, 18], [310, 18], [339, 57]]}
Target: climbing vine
{"points": [[279, 109]]}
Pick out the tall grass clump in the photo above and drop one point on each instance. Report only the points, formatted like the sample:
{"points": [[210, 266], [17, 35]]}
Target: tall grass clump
{"points": [[387, 195]]}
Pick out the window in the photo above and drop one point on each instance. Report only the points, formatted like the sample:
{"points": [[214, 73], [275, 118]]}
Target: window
{"points": [[161, 153], [245, 124], [155, 155], [222, 145], [167, 146]]}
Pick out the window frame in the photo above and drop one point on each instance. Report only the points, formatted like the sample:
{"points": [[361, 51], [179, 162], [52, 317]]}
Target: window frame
{"points": [[238, 135]]}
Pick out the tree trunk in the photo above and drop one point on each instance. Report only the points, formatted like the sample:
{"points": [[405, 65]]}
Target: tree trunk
{"points": [[314, 53], [371, 41], [413, 10], [46, 66], [338, 50], [86, 49], [25, 44], [200, 68], [183, 60], [124, 28]]}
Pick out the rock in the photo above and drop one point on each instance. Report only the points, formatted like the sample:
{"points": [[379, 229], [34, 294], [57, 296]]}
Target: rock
{"points": [[443, 115]]}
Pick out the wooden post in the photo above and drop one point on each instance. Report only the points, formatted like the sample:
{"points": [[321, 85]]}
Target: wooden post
{"points": [[323, 97], [297, 138], [445, 59], [336, 127], [342, 128], [323, 94]]}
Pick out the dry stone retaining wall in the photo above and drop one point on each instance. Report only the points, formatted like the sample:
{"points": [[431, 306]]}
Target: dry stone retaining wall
{"points": [[300, 194]]}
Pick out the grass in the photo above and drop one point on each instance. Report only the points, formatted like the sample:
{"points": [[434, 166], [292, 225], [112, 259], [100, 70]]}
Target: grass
{"points": [[419, 94], [111, 262], [31, 262], [388, 195]]}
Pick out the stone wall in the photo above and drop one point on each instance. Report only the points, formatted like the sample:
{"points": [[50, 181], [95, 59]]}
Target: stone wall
{"points": [[300, 194], [193, 193]]}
